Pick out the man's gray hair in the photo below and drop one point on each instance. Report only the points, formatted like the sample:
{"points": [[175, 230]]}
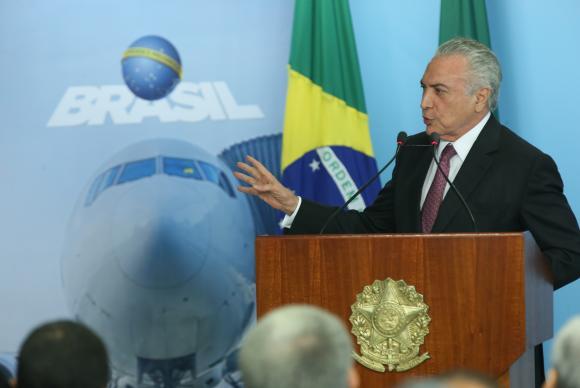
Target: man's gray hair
{"points": [[485, 71], [296, 346], [566, 354]]}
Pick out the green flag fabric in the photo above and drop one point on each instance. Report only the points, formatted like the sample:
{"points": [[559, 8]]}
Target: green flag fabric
{"points": [[466, 18]]}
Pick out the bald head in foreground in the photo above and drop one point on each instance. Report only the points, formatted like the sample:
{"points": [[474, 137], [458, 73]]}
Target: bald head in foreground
{"points": [[460, 378], [298, 346]]}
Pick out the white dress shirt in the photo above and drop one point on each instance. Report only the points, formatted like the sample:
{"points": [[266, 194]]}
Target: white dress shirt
{"points": [[289, 219], [462, 147]]}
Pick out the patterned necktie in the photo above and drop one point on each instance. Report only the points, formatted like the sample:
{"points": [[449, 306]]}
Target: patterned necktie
{"points": [[435, 194]]}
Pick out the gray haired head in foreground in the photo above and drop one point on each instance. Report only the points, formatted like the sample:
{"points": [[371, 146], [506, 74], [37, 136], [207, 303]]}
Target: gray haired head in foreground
{"points": [[485, 70], [296, 346], [566, 354], [422, 383]]}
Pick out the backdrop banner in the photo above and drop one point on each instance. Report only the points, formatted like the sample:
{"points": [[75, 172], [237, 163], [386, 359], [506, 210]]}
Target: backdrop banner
{"points": [[121, 123]]}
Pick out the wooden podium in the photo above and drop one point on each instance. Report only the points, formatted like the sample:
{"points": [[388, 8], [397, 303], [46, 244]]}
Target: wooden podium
{"points": [[490, 296]]}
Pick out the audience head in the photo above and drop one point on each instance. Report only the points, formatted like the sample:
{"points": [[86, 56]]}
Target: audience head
{"points": [[464, 378], [298, 346], [62, 354], [422, 383], [4, 379], [565, 372]]}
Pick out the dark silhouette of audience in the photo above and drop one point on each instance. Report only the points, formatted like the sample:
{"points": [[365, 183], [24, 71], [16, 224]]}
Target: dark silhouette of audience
{"points": [[62, 354], [4, 378]]}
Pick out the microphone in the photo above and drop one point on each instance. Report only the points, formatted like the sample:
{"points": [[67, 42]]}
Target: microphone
{"points": [[435, 139], [401, 140]]}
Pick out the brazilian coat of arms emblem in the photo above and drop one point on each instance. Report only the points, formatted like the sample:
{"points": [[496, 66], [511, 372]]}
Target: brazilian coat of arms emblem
{"points": [[390, 321]]}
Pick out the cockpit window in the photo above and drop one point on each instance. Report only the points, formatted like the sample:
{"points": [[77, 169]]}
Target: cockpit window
{"points": [[109, 178], [101, 183], [137, 170], [226, 185], [185, 168], [177, 167], [215, 175], [94, 190], [211, 172]]}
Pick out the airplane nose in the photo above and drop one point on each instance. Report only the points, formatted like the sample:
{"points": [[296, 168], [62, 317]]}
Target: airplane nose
{"points": [[161, 238]]}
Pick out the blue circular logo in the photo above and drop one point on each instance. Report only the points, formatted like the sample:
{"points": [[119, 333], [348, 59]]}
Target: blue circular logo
{"points": [[151, 67]]}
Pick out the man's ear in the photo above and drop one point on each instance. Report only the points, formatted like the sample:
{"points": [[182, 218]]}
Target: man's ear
{"points": [[481, 98], [552, 379]]}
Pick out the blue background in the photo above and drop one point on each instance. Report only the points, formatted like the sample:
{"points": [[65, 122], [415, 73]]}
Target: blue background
{"points": [[48, 46]]}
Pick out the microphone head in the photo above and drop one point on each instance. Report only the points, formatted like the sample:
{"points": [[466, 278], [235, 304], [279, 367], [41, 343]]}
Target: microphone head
{"points": [[402, 138], [435, 139]]}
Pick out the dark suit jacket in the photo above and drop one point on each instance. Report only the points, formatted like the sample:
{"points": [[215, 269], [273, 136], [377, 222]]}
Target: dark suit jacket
{"points": [[508, 184]]}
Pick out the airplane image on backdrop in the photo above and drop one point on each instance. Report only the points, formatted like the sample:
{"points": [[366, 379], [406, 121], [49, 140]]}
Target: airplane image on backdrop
{"points": [[159, 261]]}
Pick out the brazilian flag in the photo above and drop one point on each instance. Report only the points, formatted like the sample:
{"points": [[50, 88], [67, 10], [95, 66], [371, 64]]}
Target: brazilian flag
{"points": [[326, 145]]}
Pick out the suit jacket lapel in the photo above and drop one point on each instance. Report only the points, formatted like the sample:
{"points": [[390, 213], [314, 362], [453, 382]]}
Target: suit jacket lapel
{"points": [[472, 171]]}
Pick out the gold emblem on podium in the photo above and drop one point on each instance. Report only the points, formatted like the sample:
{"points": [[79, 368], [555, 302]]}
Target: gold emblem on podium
{"points": [[390, 321]]}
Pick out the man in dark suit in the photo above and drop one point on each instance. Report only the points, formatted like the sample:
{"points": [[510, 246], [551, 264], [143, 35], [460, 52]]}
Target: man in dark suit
{"points": [[509, 184]]}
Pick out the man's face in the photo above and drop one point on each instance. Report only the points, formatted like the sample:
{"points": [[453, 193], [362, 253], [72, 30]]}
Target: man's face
{"points": [[447, 108]]}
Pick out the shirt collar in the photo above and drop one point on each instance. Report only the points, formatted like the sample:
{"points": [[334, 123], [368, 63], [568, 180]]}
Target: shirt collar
{"points": [[464, 143]]}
